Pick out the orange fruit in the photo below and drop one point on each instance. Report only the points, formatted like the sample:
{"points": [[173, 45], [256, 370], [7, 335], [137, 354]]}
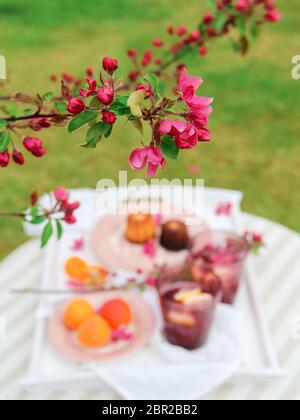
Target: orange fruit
{"points": [[76, 268], [94, 332], [76, 312], [117, 312]]}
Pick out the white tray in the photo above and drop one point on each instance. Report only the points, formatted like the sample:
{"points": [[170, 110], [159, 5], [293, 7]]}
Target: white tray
{"points": [[48, 368]]}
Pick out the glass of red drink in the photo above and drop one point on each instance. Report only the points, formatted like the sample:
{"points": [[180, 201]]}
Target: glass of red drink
{"points": [[222, 254], [188, 308]]}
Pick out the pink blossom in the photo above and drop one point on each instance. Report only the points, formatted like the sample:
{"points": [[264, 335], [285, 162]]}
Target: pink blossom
{"points": [[188, 86], [61, 194], [92, 85], [105, 95], [242, 5], [186, 135], [272, 16], [152, 156], [151, 281], [121, 333], [78, 244], [150, 249]]}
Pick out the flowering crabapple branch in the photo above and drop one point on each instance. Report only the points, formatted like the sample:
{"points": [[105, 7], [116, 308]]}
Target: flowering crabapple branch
{"points": [[176, 123], [60, 210], [231, 17]]}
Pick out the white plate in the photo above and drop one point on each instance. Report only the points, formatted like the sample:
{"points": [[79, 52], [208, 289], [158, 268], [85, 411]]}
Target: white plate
{"points": [[48, 368]]}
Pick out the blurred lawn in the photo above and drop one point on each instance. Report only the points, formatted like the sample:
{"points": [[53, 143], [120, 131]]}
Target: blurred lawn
{"points": [[255, 123]]}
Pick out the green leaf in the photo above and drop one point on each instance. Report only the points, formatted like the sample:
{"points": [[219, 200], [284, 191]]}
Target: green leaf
{"points": [[95, 133], [48, 96], [3, 123], [59, 229], [120, 107], [37, 220], [60, 107], [169, 147], [241, 24], [4, 141], [81, 119], [220, 22], [161, 87], [47, 233]]}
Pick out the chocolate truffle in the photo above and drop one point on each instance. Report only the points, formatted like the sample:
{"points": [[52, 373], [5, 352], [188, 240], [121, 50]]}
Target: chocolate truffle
{"points": [[174, 236]]}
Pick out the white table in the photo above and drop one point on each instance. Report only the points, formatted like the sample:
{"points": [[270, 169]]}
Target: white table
{"points": [[277, 283]]}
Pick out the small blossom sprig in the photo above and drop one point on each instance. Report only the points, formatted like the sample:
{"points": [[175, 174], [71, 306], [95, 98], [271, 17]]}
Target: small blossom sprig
{"points": [[255, 241], [176, 123], [231, 17], [61, 210]]}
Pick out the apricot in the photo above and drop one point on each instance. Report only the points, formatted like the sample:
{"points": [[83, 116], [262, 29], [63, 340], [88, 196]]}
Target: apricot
{"points": [[76, 268], [94, 332], [117, 312], [77, 312]]}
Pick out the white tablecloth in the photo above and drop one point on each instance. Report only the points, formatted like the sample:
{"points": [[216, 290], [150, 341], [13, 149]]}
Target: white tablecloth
{"points": [[277, 284]]}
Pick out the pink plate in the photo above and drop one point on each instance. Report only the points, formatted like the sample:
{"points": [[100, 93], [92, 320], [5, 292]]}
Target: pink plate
{"points": [[113, 250], [142, 328]]}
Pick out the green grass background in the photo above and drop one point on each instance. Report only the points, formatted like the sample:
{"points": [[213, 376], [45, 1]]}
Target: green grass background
{"points": [[255, 124]]}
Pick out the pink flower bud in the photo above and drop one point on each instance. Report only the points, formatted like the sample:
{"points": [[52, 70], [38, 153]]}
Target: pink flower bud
{"points": [[53, 78], [110, 65], [211, 32], [61, 194], [76, 106], [18, 157], [157, 42], [108, 117], [105, 95], [208, 18], [34, 146], [68, 78], [202, 51], [147, 58], [272, 16], [90, 71], [195, 36], [242, 5], [133, 75], [145, 88], [181, 30], [170, 30], [4, 159], [132, 53], [70, 219]]}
